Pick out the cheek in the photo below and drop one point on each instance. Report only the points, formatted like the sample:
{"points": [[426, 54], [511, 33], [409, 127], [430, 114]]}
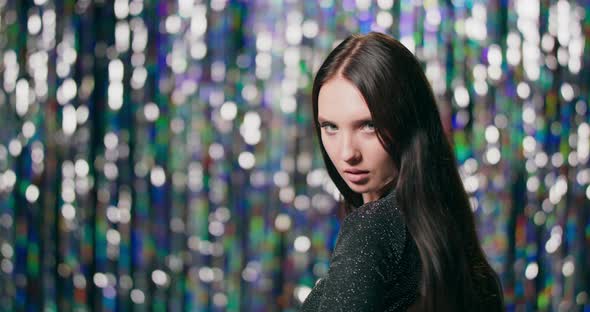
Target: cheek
{"points": [[388, 165], [381, 157], [330, 147]]}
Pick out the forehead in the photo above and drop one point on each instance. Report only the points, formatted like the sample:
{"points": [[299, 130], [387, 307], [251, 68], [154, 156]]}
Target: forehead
{"points": [[339, 99]]}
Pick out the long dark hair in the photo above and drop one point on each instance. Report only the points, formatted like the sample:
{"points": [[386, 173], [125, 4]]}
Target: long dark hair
{"points": [[428, 187]]}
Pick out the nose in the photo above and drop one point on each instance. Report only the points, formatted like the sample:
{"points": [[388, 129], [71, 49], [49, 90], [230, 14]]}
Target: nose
{"points": [[349, 151]]}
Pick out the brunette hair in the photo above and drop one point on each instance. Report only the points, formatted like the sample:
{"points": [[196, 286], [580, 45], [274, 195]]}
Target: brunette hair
{"points": [[428, 187]]}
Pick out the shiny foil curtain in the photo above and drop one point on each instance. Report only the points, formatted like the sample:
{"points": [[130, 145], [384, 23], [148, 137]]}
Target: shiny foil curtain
{"points": [[160, 155]]}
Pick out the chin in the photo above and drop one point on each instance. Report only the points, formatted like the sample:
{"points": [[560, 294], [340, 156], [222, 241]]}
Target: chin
{"points": [[359, 188]]}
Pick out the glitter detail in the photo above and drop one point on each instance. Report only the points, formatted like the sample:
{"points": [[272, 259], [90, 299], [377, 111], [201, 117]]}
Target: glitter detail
{"points": [[375, 265]]}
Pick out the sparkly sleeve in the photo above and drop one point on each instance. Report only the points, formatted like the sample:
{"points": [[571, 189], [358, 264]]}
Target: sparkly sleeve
{"points": [[367, 250], [312, 301]]}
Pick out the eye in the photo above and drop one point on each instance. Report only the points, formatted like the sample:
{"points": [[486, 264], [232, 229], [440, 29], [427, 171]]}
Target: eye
{"points": [[328, 127], [369, 125]]}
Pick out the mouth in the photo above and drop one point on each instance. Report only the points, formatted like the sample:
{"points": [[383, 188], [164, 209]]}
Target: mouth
{"points": [[356, 176]]}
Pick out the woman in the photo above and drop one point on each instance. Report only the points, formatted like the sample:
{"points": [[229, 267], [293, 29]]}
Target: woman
{"points": [[408, 240]]}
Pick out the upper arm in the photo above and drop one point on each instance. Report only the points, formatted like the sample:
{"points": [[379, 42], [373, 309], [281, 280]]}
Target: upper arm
{"points": [[361, 265]]}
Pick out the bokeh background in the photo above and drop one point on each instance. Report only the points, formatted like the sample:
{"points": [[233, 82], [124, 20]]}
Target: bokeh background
{"points": [[160, 155]]}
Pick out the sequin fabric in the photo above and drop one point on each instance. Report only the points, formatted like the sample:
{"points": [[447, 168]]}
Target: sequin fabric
{"points": [[375, 265]]}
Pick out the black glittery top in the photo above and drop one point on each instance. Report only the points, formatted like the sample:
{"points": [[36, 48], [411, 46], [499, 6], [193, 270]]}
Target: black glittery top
{"points": [[375, 265]]}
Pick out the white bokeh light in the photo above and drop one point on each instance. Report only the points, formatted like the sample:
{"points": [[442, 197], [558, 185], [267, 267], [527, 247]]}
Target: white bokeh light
{"points": [[302, 243], [246, 160]]}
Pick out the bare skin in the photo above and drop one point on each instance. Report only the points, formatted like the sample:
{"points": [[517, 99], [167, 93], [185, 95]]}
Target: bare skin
{"points": [[350, 139]]}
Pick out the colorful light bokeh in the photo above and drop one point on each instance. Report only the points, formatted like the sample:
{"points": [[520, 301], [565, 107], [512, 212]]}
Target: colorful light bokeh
{"points": [[161, 154]]}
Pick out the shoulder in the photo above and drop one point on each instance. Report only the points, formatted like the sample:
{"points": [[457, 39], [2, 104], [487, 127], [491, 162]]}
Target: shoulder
{"points": [[379, 223], [383, 212]]}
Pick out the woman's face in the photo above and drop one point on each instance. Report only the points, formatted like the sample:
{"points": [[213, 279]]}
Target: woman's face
{"points": [[351, 141]]}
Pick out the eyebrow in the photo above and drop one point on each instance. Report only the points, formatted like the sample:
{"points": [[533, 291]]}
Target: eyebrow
{"points": [[358, 121]]}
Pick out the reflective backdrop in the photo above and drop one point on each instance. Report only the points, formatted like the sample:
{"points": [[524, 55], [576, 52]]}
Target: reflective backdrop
{"points": [[160, 155]]}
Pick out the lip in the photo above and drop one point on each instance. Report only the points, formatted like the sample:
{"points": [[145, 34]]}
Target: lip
{"points": [[356, 171], [356, 176]]}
